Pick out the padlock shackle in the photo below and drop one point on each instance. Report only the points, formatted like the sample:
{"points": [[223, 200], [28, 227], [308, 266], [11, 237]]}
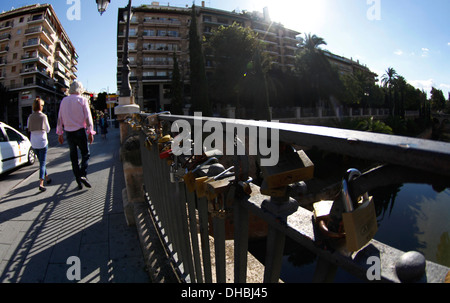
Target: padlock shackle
{"points": [[204, 163], [223, 173]]}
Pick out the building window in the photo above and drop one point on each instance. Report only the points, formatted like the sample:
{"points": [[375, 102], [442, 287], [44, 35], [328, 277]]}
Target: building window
{"points": [[147, 46], [222, 21], [172, 33], [207, 18], [28, 81], [149, 32]]}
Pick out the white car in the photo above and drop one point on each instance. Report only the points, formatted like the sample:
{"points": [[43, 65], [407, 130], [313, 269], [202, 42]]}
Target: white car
{"points": [[15, 149]]}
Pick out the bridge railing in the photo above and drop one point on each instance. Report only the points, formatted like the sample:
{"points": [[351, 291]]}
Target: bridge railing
{"points": [[195, 227]]}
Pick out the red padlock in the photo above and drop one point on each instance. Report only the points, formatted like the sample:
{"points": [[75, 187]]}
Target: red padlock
{"points": [[166, 154]]}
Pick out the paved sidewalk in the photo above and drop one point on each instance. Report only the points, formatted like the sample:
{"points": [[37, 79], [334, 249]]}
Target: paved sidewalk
{"points": [[39, 231]]}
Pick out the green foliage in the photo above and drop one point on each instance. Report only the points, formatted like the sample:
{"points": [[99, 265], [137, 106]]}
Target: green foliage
{"points": [[437, 99], [240, 75], [177, 89], [374, 126], [199, 84], [318, 78], [366, 124]]}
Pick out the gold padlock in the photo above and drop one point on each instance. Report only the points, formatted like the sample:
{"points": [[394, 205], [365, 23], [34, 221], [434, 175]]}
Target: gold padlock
{"points": [[293, 166], [360, 225]]}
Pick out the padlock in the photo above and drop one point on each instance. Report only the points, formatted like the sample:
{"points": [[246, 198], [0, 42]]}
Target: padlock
{"points": [[360, 225], [175, 173], [164, 143], [321, 211], [201, 183], [189, 177], [293, 166], [354, 217], [246, 185]]}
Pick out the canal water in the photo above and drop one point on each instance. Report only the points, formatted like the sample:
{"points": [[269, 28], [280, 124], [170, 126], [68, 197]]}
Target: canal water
{"points": [[410, 217]]}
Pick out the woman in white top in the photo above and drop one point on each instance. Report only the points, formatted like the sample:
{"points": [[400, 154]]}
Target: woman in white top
{"points": [[38, 127]]}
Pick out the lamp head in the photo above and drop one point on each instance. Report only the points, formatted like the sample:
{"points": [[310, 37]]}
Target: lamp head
{"points": [[102, 5]]}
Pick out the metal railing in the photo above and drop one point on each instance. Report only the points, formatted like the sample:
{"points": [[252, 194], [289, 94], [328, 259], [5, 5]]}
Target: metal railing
{"points": [[194, 226]]}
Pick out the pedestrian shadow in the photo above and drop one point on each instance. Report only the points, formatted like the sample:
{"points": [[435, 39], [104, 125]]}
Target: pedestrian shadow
{"points": [[65, 222]]}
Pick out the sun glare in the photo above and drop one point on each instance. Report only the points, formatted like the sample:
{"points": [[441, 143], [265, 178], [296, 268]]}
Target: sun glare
{"points": [[301, 15]]}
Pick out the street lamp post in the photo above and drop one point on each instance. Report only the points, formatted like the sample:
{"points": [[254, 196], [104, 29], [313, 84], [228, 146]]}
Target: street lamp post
{"points": [[126, 103], [125, 89]]}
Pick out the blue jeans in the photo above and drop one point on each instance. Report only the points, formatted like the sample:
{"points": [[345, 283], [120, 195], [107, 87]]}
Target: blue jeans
{"points": [[78, 140], [41, 153]]}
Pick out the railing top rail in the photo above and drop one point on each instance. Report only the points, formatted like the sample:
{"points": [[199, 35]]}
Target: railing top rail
{"points": [[421, 154]]}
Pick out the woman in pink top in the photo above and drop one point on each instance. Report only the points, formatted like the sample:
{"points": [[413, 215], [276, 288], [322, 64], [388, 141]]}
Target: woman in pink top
{"points": [[75, 119]]}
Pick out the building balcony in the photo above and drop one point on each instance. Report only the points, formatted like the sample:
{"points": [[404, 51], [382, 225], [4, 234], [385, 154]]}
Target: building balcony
{"points": [[152, 21], [28, 58], [43, 33], [40, 19], [64, 48], [35, 69], [38, 83], [4, 50], [7, 25], [5, 37], [39, 44]]}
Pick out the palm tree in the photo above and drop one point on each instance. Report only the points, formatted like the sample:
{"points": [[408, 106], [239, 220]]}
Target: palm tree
{"points": [[388, 81], [311, 42], [400, 86], [315, 71]]}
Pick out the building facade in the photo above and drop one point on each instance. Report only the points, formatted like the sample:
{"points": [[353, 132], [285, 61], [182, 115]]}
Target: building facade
{"points": [[37, 59], [157, 32]]}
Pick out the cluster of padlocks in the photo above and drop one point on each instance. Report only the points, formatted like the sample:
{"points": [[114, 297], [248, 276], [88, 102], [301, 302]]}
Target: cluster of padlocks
{"points": [[344, 217]]}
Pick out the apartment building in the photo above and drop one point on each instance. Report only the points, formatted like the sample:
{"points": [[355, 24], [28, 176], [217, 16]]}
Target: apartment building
{"points": [[37, 59], [157, 32], [348, 66]]}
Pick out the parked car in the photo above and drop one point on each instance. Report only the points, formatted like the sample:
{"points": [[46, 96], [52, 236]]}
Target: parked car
{"points": [[15, 149]]}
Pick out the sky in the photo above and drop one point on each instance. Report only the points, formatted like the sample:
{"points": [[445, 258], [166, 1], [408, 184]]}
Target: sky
{"points": [[411, 36]]}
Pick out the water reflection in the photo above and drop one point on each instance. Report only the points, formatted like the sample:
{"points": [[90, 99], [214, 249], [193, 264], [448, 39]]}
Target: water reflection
{"points": [[410, 217], [415, 217]]}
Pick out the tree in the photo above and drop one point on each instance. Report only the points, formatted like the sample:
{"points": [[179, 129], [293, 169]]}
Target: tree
{"points": [[256, 93], [319, 79], [177, 88], [311, 43], [232, 49], [100, 103], [437, 99], [199, 84], [388, 80], [399, 101]]}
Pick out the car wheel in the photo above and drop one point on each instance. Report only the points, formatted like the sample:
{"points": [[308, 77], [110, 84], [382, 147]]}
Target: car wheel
{"points": [[31, 157]]}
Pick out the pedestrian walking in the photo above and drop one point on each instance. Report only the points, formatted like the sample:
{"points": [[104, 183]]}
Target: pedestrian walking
{"points": [[75, 119], [103, 125], [39, 127]]}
